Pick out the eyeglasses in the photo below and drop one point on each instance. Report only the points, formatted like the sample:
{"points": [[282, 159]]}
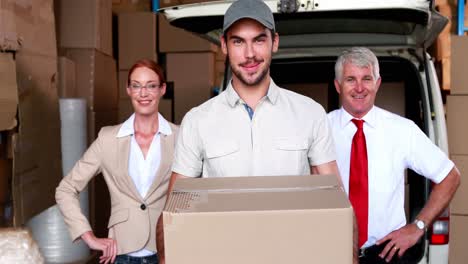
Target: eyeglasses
{"points": [[150, 86]]}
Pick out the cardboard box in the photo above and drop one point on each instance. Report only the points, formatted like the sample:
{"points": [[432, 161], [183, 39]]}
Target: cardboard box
{"points": [[391, 97], [173, 39], [123, 75], [125, 109], [137, 38], [443, 41], [28, 26], [96, 78], [446, 74], [192, 85], [278, 219], [29, 92], [165, 109], [220, 55], [219, 67], [85, 24], [457, 127], [9, 40], [8, 92], [317, 91], [97, 120], [459, 203], [459, 78], [219, 73], [66, 78], [168, 3], [36, 145], [458, 234], [119, 6]]}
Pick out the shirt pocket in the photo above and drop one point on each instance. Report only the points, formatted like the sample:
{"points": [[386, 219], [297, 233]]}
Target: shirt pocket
{"points": [[291, 144], [221, 158], [221, 149], [290, 156]]}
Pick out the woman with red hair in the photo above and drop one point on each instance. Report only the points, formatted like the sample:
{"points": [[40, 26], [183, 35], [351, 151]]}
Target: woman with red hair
{"points": [[135, 158]]}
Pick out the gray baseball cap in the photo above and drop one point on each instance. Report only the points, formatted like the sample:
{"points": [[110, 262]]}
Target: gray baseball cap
{"points": [[253, 9]]}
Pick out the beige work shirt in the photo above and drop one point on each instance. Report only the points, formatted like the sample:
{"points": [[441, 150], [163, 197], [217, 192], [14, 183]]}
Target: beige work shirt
{"points": [[287, 134]]}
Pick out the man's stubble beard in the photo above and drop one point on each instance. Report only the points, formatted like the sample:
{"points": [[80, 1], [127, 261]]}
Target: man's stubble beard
{"points": [[263, 74]]}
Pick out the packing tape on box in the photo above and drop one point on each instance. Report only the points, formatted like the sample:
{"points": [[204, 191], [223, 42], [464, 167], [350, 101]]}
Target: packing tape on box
{"points": [[182, 199], [48, 227], [244, 190]]}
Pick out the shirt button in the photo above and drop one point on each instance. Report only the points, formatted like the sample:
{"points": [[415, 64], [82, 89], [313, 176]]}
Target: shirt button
{"points": [[143, 207]]}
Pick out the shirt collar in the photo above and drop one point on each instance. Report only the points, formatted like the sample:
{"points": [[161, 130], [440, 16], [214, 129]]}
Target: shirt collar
{"points": [[127, 128], [370, 118], [233, 98]]}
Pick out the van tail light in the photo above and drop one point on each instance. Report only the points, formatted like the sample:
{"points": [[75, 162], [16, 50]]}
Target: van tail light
{"points": [[439, 231]]}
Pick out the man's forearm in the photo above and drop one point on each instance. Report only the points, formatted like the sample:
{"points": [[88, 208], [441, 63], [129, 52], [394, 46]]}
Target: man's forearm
{"points": [[440, 197], [160, 224]]}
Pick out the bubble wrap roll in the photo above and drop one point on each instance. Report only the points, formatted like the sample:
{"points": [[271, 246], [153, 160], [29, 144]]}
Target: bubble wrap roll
{"points": [[48, 228]]}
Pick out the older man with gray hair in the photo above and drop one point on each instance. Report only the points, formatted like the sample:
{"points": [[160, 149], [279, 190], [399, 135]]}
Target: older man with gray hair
{"points": [[374, 147]]}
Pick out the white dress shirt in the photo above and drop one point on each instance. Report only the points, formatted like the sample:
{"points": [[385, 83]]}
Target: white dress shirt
{"points": [[141, 170], [286, 135], [393, 144]]}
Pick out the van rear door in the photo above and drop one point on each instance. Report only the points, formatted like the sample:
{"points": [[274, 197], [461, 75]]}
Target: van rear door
{"points": [[327, 23]]}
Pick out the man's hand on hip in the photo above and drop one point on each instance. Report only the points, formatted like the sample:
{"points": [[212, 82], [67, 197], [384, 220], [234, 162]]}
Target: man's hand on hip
{"points": [[400, 240]]}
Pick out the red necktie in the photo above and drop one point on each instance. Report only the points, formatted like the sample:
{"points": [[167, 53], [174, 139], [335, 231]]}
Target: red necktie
{"points": [[358, 181]]}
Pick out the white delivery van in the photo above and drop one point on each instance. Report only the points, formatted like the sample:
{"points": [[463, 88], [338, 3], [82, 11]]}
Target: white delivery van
{"points": [[312, 34]]}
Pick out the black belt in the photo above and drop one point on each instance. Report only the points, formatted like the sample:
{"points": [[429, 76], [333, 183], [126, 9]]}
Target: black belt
{"points": [[373, 250], [372, 253]]}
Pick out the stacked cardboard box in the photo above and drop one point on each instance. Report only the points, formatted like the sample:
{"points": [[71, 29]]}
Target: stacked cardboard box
{"points": [[220, 68], [137, 40], [85, 41], [442, 44], [276, 219], [96, 81], [85, 24], [193, 77], [66, 78], [457, 107], [189, 61], [169, 3], [317, 91], [190, 65], [443, 47], [458, 70], [120, 6], [29, 107]]}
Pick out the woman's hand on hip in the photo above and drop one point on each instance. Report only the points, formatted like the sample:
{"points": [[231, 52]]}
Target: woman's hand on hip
{"points": [[108, 246]]}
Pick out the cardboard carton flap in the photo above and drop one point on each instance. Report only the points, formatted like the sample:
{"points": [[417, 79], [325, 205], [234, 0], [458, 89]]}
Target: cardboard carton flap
{"points": [[9, 39], [8, 92], [253, 182], [257, 194]]}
